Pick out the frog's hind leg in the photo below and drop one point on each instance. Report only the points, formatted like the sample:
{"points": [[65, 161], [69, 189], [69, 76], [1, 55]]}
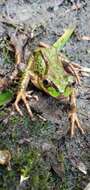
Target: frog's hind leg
{"points": [[74, 71], [71, 68], [74, 68], [73, 116]]}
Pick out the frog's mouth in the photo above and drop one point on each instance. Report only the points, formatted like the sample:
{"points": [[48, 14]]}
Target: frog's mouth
{"points": [[55, 92]]}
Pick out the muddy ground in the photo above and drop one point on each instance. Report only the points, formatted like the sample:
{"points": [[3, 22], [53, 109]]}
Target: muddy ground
{"points": [[42, 150]]}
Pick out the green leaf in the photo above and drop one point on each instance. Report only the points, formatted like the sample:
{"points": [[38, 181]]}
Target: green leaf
{"points": [[5, 97], [59, 44]]}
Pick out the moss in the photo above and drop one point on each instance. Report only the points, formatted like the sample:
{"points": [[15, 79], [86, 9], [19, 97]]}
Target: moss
{"points": [[39, 129], [15, 119], [31, 164], [27, 157], [2, 113]]}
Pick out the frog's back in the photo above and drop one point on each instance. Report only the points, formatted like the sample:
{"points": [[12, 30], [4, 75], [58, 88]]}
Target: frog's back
{"points": [[55, 65], [48, 65], [60, 79]]}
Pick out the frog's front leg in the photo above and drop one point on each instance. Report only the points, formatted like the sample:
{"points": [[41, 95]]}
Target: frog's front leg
{"points": [[73, 115], [22, 94]]}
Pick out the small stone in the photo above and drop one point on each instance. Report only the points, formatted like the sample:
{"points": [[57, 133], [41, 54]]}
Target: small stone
{"points": [[46, 147], [87, 187], [5, 157], [81, 166]]}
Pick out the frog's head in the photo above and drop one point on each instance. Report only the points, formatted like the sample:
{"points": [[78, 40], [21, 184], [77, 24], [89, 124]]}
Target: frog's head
{"points": [[57, 87], [52, 77]]}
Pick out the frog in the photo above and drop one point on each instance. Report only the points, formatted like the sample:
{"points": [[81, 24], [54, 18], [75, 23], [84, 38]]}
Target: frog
{"points": [[52, 73]]}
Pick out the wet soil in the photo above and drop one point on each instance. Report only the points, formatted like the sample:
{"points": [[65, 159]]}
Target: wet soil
{"points": [[55, 156]]}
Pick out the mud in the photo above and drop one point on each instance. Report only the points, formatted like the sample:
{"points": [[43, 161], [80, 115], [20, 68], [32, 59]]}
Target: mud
{"points": [[47, 20]]}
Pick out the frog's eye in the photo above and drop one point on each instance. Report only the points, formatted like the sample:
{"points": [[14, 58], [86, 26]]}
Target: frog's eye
{"points": [[46, 82]]}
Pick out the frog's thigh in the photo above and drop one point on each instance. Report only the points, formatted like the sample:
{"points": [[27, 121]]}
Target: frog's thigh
{"points": [[71, 68]]}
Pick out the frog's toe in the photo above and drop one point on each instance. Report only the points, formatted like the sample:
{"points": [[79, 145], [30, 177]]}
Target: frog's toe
{"points": [[18, 109], [29, 95], [35, 97], [27, 106], [74, 123], [22, 96], [16, 104]]}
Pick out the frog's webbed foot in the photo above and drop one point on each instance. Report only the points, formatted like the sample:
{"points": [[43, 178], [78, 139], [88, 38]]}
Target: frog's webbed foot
{"points": [[73, 116], [74, 123], [22, 95]]}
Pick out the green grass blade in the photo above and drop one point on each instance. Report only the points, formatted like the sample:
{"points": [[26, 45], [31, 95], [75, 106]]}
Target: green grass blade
{"points": [[5, 97], [59, 44]]}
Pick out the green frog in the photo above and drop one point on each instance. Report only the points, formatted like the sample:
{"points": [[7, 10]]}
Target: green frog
{"points": [[49, 71]]}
